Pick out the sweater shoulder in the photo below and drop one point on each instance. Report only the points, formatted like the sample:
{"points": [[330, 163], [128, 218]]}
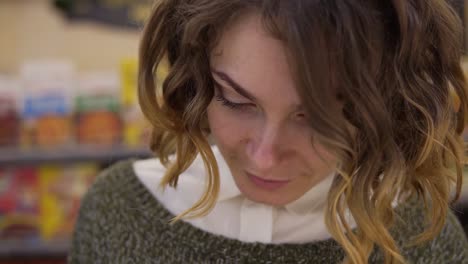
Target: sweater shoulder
{"points": [[116, 188], [112, 213], [449, 246]]}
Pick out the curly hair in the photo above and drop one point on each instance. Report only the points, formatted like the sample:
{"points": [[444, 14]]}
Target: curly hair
{"points": [[393, 64]]}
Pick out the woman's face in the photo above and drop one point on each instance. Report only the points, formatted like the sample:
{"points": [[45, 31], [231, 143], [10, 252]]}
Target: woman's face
{"points": [[257, 120]]}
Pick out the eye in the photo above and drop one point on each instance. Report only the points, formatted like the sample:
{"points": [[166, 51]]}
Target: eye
{"points": [[232, 105], [219, 96]]}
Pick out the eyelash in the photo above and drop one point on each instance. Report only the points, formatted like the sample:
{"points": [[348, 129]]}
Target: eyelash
{"points": [[235, 106], [228, 103]]}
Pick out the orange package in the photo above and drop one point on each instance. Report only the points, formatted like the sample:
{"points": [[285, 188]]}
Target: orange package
{"points": [[98, 110], [47, 108]]}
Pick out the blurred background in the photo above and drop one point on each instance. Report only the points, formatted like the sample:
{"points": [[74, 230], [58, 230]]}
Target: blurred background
{"points": [[68, 109]]}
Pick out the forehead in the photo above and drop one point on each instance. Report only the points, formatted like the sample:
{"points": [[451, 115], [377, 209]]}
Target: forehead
{"points": [[254, 59]]}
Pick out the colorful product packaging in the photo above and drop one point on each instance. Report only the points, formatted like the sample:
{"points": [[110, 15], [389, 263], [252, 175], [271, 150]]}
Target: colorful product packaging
{"points": [[19, 208], [62, 188], [134, 122], [136, 128], [98, 109], [47, 106]]}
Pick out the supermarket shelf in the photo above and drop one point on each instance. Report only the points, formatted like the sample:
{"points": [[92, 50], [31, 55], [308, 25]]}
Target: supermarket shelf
{"points": [[11, 156], [32, 249]]}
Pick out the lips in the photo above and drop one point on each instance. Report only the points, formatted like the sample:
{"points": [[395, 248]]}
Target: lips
{"points": [[266, 184]]}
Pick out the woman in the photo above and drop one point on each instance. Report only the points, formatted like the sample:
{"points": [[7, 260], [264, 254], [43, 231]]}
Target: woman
{"points": [[335, 134]]}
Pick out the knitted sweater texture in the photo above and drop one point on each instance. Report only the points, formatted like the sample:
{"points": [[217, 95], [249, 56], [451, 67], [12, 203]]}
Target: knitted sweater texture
{"points": [[120, 221]]}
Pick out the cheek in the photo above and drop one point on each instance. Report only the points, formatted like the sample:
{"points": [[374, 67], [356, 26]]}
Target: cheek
{"points": [[320, 158], [312, 155], [225, 128]]}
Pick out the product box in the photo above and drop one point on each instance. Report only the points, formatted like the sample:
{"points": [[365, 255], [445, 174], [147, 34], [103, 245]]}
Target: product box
{"points": [[98, 109], [19, 208], [136, 128], [47, 108], [62, 188]]}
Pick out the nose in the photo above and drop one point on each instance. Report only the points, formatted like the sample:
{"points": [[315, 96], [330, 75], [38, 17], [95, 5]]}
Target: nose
{"points": [[263, 148]]}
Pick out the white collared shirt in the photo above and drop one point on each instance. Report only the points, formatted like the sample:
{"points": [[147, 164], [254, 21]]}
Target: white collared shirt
{"points": [[235, 216]]}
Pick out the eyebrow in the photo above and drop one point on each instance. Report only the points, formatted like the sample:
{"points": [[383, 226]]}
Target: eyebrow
{"points": [[237, 87]]}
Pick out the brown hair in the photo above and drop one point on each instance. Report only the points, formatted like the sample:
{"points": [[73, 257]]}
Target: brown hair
{"points": [[394, 65]]}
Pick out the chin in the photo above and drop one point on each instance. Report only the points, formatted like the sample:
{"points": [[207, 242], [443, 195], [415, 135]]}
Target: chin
{"points": [[275, 198], [270, 201]]}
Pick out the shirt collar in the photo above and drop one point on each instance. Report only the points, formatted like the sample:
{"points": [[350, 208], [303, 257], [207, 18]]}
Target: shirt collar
{"points": [[312, 200]]}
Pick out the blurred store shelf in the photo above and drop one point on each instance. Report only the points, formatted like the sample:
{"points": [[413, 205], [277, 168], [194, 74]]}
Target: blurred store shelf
{"points": [[13, 156], [33, 248]]}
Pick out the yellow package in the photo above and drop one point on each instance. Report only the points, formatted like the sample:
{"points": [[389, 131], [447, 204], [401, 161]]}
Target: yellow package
{"points": [[136, 128], [61, 190]]}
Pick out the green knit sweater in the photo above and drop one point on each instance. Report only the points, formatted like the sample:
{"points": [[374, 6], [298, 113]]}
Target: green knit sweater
{"points": [[120, 221]]}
